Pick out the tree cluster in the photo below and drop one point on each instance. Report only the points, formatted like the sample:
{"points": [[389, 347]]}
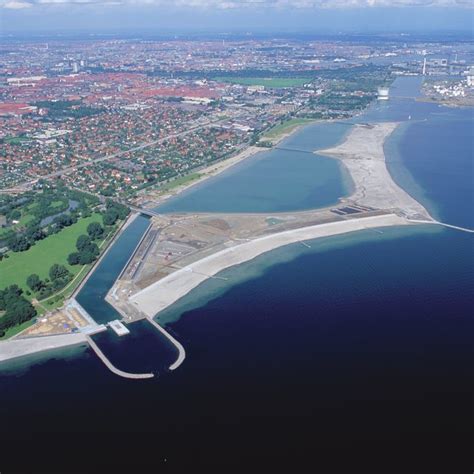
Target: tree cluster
{"points": [[59, 277], [87, 250], [114, 211], [17, 308], [22, 242]]}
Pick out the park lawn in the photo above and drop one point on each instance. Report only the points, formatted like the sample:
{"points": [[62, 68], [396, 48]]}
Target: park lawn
{"points": [[276, 82], [57, 299], [179, 181], [285, 127], [39, 258]]}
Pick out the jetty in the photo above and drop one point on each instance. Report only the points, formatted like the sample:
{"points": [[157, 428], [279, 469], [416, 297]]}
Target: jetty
{"points": [[177, 344], [444, 224], [111, 367]]}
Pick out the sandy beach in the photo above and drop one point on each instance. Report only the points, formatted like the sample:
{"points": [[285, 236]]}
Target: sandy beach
{"points": [[165, 292], [20, 347], [363, 155]]}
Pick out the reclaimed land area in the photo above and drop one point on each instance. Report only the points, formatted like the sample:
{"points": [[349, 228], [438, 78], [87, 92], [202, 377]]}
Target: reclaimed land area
{"points": [[182, 251]]}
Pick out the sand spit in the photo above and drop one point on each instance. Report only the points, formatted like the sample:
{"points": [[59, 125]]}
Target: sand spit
{"points": [[165, 292], [363, 154]]}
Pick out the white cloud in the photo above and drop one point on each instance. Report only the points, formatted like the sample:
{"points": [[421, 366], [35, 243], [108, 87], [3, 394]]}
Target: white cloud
{"points": [[14, 5], [245, 4]]}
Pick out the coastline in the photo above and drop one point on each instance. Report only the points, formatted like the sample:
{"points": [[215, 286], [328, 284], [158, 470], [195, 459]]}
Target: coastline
{"points": [[163, 293], [17, 347], [154, 197], [364, 160], [157, 198], [362, 154]]}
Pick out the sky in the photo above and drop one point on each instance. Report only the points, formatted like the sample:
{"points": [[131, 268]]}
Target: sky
{"points": [[316, 16]]}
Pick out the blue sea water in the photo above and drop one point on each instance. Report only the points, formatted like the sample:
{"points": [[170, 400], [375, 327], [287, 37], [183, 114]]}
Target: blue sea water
{"points": [[354, 355]]}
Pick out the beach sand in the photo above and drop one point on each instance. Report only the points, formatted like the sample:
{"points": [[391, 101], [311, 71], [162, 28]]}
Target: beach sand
{"points": [[20, 347], [165, 292], [362, 153]]}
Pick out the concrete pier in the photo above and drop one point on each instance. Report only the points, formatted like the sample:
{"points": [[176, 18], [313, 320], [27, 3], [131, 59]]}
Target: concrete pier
{"points": [[111, 367], [118, 328], [178, 345]]}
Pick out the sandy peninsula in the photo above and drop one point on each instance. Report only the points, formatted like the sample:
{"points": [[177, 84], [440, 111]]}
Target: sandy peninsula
{"points": [[363, 155]]}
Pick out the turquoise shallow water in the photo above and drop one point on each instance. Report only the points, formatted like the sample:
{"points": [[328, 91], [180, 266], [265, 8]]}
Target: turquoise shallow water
{"points": [[329, 359], [274, 181]]}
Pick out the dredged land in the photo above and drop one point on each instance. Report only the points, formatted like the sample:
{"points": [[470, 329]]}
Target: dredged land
{"points": [[184, 250], [181, 251], [363, 155]]}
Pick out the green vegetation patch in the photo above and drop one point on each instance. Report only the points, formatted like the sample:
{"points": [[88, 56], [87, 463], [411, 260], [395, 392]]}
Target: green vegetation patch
{"points": [[274, 82], [15, 140], [13, 331], [38, 259], [285, 127], [182, 180], [61, 109]]}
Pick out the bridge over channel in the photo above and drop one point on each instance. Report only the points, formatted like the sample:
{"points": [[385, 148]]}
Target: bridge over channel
{"points": [[144, 211]]}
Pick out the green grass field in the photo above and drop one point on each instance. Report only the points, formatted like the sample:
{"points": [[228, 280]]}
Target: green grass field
{"points": [[285, 127], [39, 258], [179, 182], [266, 81]]}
